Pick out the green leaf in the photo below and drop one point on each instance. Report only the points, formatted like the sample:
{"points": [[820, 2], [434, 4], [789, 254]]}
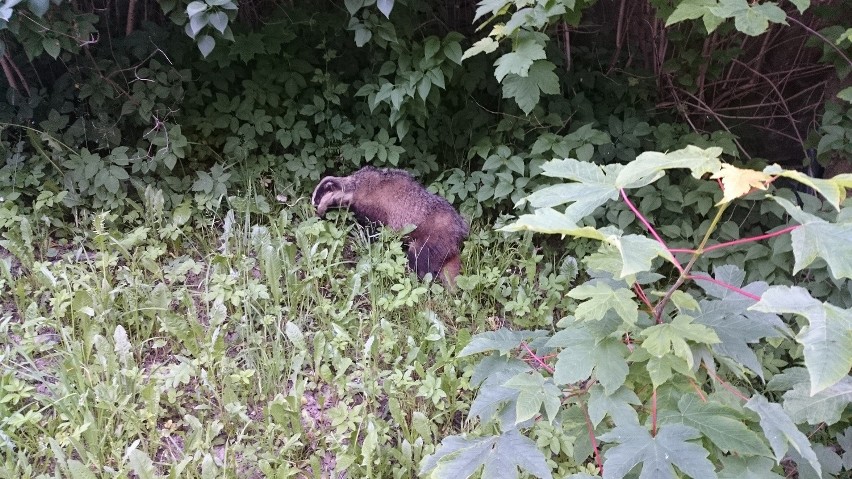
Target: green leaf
{"points": [[662, 369], [752, 20], [385, 6], [526, 90], [801, 5], [206, 43], [747, 468], [582, 354], [195, 7], [431, 47], [827, 339], [51, 47], [39, 7], [79, 470], [637, 253], [733, 322], [453, 51], [594, 187], [535, 391], [484, 45], [519, 61], [459, 457], [490, 6], [719, 423], [603, 298], [690, 10], [362, 35], [832, 189], [548, 220], [826, 406], [819, 238], [657, 454], [219, 20], [618, 405], [780, 430], [502, 340], [650, 165], [352, 6], [661, 339], [489, 375], [846, 94], [141, 464]]}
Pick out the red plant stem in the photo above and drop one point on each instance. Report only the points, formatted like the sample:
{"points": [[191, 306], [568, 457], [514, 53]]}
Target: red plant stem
{"points": [[537, 359], [753, 238], [682, 250], [650, 228], [654, 414], [698, 390], [724, 285], [641, 293], [594, 441], [725, 384]]}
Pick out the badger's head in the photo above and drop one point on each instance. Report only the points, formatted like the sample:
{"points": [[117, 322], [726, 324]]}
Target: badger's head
{"points": [[332, 192]]}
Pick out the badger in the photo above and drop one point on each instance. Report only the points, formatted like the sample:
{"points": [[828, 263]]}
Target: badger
{"points": [[394, 199]]}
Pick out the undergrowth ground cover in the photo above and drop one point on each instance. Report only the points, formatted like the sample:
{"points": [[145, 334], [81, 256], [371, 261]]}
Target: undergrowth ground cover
{"points": [[248, 346], [284, 345]]}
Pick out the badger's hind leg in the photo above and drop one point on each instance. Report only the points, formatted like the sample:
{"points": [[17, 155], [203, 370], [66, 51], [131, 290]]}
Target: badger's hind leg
{"points": [[450, 270], [431, 257], [422, 257]]}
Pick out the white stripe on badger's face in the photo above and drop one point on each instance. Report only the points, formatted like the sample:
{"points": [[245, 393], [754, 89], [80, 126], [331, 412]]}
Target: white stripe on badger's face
{"points": [[330, 183]]}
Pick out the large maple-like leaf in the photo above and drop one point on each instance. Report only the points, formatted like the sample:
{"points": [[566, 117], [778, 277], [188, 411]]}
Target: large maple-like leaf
{"points": [[657, 454], [527, 90], [583, 353], [502, 340], [535, 391], [781, 431], [755, 467], [493, 398], [719, 423], [599, 298], [650, 165], [733, 322], [528, 49], [826, 406], [662, 339], [459, 457], [618, 405], [817, 238], [592, 186], [737, 182], [827, 339]]}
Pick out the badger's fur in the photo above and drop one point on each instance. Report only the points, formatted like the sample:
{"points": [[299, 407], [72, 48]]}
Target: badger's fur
{"points": [[393, 198]]}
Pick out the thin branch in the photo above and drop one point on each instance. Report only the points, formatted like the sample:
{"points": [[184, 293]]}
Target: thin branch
{"points": [[650, 229], [724, 285], [131, 18], [641, 293], [725, 384], [593, 440], [751, 239], [818, 34], [537, 359]]}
